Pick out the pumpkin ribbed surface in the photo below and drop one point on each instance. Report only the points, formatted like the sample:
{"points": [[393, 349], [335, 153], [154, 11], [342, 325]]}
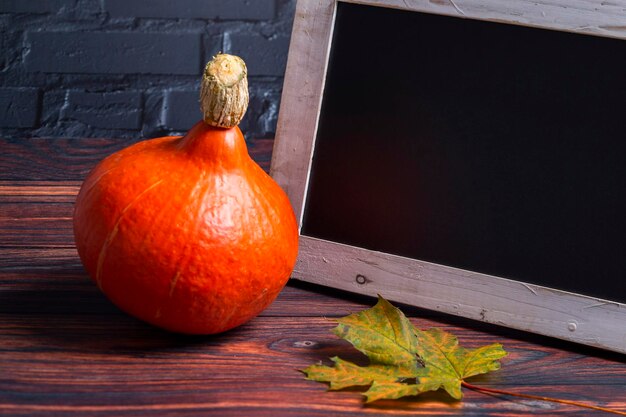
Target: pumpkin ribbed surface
{"points": [[187, 233]]}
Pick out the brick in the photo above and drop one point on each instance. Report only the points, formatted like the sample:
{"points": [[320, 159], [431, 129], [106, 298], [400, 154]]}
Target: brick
{"points": [[193, 9], [32, 6], [265, 104], [181, 109], [4, 56], [263, 56], [118, 110], [212, 46], [114, 52], [260, 119], [19, 107]]}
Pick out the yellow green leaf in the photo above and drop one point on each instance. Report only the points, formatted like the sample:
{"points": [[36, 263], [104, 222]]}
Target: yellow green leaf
{"points": [[403, 360], [381, 390], [448, 363], [346, 374], [382, 333]]}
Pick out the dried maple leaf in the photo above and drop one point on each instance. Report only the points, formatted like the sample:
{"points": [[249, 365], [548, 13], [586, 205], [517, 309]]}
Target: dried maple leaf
{"points": [[398, 352], [446, 365], [385, 336], [347, 374], [382, 333]]}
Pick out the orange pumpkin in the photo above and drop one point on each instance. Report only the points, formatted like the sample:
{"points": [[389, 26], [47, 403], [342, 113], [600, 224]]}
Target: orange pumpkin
{"points": [[189, 233]]}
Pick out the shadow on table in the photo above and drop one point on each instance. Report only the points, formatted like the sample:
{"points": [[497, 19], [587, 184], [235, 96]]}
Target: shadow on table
{"points": [[59, 307]]}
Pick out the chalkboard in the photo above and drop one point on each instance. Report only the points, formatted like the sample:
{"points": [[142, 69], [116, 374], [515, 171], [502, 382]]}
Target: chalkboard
{"points": [[467, 157], [484, 146]]}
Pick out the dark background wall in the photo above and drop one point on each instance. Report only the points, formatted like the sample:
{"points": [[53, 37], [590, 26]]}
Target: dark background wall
{"points": [[131, 68]]}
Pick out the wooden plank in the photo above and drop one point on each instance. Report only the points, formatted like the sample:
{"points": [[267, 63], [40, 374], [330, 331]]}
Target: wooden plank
{"points": [[269, 398], [54, 158], [591, 17], [473, 295], [24, 201], [71, 159], [53, 283], [24, 211], [87, 340], [35, 214], [40, 191], [111, 365], [45, 260], [302, 98], [65, 350], [36, 232]]}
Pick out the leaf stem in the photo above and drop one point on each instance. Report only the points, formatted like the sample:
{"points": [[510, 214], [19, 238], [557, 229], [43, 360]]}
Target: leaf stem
{"points": [[540, 398]]}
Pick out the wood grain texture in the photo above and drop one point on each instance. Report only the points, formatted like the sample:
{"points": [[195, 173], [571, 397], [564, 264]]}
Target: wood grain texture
{"points": [[510, 303], [36, 215], [65, 350], [111, 363], [302, 98]]}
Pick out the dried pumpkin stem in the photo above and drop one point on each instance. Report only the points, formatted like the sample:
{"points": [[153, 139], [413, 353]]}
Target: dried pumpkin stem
{"points": [[224, 91]]}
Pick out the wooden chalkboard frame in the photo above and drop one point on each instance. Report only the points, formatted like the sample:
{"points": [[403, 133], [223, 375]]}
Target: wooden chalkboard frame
{"points": [[565, 315]]}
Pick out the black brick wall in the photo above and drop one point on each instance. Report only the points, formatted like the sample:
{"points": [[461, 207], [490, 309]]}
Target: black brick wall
{"points": [[131, 68]]}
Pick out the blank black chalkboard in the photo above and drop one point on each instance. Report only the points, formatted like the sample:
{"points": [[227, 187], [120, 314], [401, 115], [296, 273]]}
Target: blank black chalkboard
{"points": [[489, 147]]}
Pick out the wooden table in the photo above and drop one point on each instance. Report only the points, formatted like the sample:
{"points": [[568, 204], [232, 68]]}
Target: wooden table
{"points": [[65, 350]]}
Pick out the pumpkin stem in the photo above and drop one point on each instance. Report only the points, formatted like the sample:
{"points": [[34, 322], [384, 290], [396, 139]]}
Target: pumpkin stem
{"points": [[224, 91]]}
